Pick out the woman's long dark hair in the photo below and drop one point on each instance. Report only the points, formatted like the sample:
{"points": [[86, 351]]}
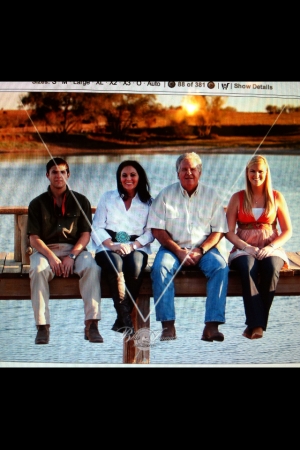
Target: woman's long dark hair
{"points": [[143, 187]]}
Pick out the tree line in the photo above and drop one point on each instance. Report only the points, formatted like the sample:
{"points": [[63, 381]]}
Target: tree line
{"points": [[119, 114]]}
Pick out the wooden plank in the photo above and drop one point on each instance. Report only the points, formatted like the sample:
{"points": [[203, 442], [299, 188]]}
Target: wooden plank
{"points": [[288, 272], [288, 286], [294, 257], [16, 286], [188, 283], [66, 287], [13, 209], [12, 288]]}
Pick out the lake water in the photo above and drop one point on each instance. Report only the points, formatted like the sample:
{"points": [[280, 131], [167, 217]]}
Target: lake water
{"points": [[23, 179]]}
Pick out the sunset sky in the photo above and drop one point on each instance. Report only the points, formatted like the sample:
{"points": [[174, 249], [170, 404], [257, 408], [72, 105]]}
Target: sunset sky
{"points": [[247, 104], [10, 100]]}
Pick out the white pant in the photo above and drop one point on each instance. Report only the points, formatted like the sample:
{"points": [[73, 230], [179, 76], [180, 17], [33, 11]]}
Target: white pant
{"points": [[40, 274]]}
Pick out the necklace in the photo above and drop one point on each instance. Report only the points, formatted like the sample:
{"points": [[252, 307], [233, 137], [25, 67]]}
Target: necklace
{"points": [[256, 201]]}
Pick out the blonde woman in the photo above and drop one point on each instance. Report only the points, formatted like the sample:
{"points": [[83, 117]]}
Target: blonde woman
{"points": [[253, 216]]}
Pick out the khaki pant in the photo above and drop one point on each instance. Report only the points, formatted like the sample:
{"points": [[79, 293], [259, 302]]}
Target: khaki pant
{"points": [[40, 274]]}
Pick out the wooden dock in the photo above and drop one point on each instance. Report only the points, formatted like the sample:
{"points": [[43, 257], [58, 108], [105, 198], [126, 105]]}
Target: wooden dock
{"points": [[14, 285]]}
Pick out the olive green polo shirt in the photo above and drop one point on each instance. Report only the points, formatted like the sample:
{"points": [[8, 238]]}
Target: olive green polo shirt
{"points": [[48, 222]]}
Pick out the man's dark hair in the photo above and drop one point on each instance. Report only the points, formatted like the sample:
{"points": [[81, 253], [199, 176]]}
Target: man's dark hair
{"points": [[143, 187], [56, 162]]}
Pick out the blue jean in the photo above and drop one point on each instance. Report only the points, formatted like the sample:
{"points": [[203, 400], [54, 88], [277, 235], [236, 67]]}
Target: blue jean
{"points": [[163, 271]]}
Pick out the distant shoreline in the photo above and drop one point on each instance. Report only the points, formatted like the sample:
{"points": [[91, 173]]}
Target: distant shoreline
{"points": [[287, 145], [236, 132]]}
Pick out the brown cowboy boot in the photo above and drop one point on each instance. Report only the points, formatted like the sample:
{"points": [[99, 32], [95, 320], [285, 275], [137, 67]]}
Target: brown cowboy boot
{"points": [[91, 332], [211, 332], [169, 331], [43, 334]]}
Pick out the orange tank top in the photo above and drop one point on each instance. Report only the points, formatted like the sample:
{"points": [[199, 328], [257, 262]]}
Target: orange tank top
{"points": [[245, 218]]}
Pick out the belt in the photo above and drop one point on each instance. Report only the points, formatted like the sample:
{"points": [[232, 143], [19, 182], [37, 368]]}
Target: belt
{"points": [[257, 225], [121, 236]]}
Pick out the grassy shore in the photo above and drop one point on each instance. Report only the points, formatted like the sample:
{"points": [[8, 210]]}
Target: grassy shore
{"points": [[237, 132], [83, 145]]}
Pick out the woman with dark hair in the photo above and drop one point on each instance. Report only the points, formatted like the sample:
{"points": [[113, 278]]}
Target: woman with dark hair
{"points": [[121, 239], [257, 252]]}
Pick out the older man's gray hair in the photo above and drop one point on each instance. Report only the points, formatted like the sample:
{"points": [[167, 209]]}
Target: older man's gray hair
{"points": [[192, 155]]}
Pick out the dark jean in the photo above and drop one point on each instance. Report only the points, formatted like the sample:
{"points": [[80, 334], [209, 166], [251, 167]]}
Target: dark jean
{"points": [[259, 281], [124, 274]]}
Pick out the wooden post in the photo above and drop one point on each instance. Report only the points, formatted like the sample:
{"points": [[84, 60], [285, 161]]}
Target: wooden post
{"points": [[22, 225], [17, 242], [137, 349]]}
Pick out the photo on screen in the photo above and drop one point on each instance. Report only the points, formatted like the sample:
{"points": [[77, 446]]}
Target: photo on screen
{"points": [[95, 132]]}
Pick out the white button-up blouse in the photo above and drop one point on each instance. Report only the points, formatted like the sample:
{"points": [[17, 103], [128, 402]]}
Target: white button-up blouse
{"points": [[111, 214]]}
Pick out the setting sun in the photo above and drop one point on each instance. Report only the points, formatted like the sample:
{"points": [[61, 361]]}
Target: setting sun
{"points": [[190, 106]]}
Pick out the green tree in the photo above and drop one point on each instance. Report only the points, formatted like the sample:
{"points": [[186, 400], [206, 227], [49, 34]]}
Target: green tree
{"points": [[64, 112], [61, 111], [124, 111], [272, 109]]}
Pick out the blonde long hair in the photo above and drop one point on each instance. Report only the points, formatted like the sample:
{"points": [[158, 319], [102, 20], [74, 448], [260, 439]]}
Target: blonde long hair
{"points": [[268, 190]]}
